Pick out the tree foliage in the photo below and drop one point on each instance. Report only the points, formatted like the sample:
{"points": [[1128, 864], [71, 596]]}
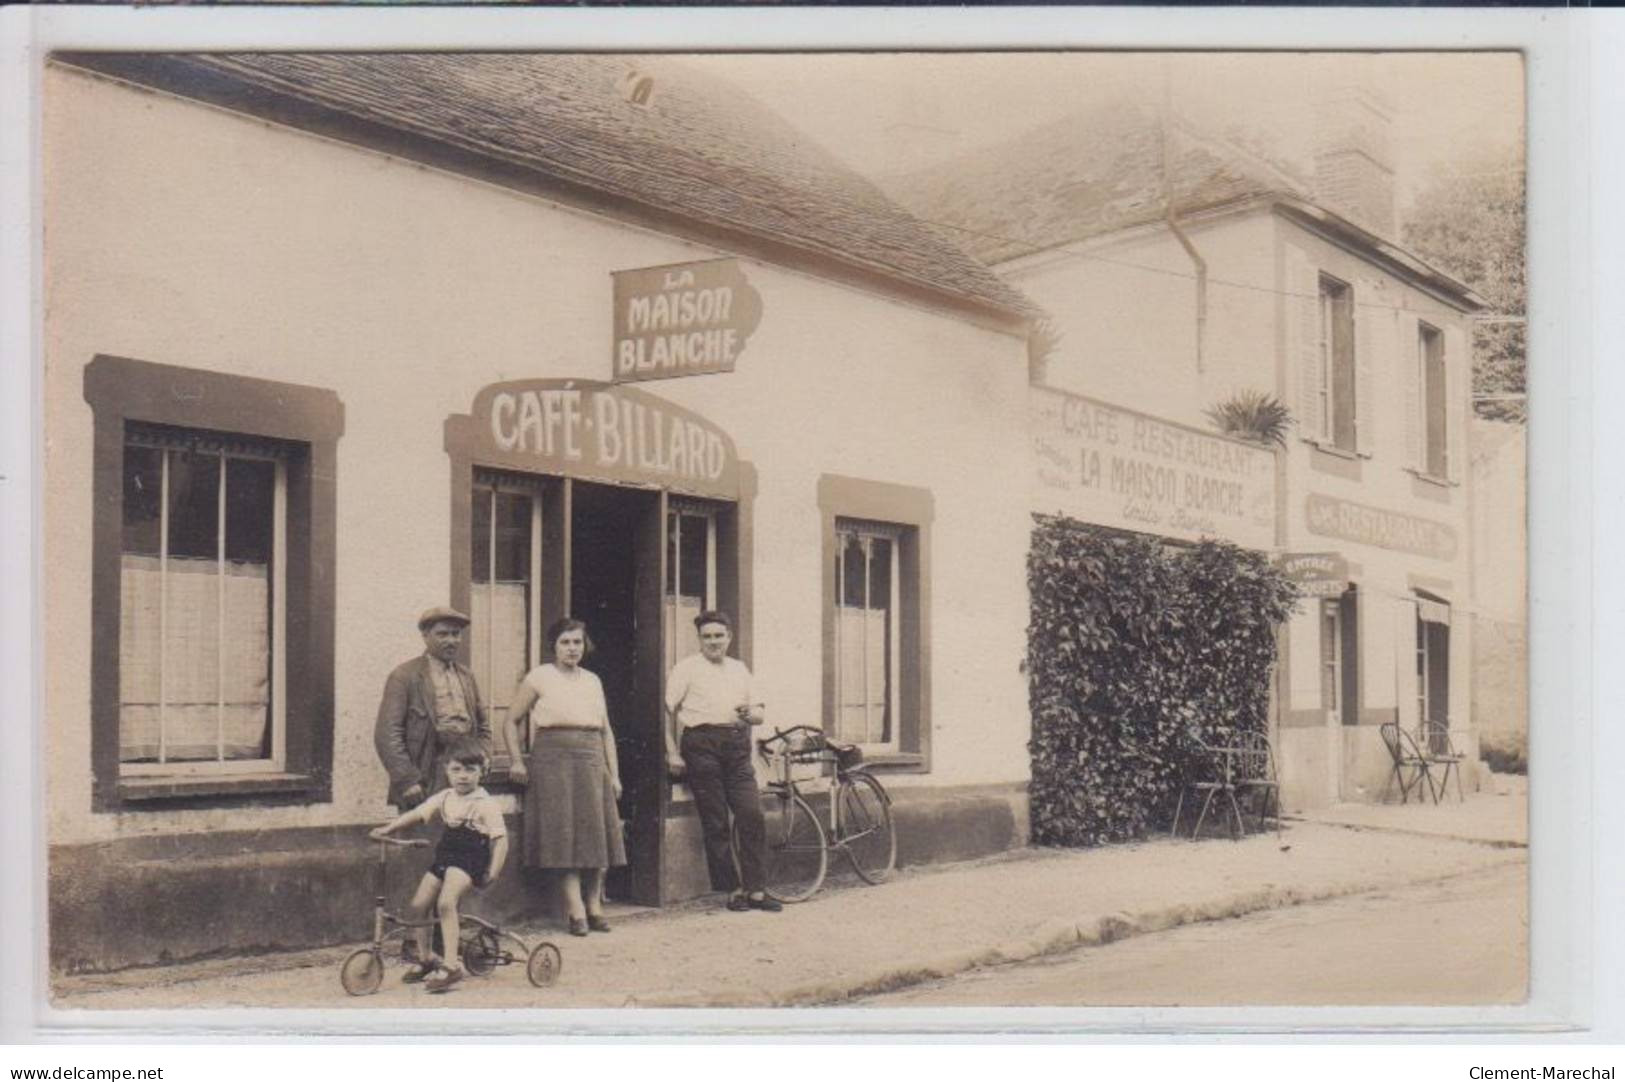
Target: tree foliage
{"points": [[1470, 223], [1134, 647]]}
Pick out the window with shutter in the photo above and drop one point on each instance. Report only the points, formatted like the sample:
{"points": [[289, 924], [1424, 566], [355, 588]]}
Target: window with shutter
{"points": [[1435, 447], [1337, 373]]}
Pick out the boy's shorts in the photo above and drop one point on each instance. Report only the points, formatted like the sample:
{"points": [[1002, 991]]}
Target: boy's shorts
{"points": [[465, 848]]}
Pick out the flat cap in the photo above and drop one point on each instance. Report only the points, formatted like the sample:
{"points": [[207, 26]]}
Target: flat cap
{"points": [[439, 613]]}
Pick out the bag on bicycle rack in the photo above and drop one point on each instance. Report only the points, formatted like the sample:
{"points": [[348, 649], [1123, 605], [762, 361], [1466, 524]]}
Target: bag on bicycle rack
{"points": [[847, 756]]}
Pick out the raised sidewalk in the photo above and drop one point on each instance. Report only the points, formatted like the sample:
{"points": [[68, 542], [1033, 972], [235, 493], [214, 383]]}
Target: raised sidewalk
{"points": [[851, 940]]}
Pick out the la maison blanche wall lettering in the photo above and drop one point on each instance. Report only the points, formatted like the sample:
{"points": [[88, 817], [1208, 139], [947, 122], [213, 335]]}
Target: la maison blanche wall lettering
{"points": [[601, 432], [686, 319], [1115, 467], [1364, 525]]}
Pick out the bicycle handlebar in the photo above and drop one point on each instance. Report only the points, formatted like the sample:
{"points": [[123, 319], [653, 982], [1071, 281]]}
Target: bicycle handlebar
{"points": [[782, 736]]}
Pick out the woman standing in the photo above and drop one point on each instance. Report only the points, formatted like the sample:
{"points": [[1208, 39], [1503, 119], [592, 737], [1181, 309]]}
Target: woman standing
{"points": [[573, 777]]}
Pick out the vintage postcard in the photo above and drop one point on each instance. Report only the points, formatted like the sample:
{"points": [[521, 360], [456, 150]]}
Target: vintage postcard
{"points": [[561, 529]]}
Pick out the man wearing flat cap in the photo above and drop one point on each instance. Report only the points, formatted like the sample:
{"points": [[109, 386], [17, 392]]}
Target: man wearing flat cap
{"points": [[429, 703]]}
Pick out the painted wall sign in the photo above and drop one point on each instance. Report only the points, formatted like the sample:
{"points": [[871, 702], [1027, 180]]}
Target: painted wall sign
{"points": [[685, 319], [600, 432], [1318, 574], [1115, 467], [1356, 522]]}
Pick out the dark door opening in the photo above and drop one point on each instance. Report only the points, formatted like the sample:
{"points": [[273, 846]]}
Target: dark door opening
{"points": [[615, 588]]}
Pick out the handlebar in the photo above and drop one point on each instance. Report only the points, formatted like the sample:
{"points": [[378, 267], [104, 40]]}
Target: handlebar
{"points": [[782, 736]]}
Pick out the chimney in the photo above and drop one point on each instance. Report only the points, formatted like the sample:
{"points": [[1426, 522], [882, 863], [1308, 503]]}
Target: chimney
{"points": [[1354, 171]]}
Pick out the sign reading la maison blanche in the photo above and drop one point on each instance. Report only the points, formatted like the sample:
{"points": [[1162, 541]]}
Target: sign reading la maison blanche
{"points": [[1364, 525], [1114, 467], [685, 319], [600, 432]]}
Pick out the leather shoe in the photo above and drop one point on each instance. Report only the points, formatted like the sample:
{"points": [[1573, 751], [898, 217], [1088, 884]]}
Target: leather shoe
{"points": [[738, 903], [766, 904]]}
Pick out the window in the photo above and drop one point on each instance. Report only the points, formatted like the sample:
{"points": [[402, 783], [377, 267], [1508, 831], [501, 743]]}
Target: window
{"points": [[211, 585], [691, 575], [505, 599], [877, 616], [867, 607], [1435, 449], [1432, 662], [202, 582], [1335, 418]]}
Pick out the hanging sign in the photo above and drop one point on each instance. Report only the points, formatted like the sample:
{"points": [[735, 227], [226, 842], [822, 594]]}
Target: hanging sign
{"points": [[686, 319], [1115, 467], [600, 432], [1318, 574], [1331, 517]]}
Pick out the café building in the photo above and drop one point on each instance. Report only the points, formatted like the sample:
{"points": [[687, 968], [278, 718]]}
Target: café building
{"points": [[331, 339]]}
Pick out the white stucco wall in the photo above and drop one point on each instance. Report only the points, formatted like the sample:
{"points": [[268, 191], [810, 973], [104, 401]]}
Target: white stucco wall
{"points": [[184, 235], [1126, 310]]}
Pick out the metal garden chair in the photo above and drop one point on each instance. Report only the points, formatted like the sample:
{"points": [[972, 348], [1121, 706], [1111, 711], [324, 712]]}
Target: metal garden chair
{"points": [[1437, 748], [1253, 774], [1411, 769], [1210, 772]]}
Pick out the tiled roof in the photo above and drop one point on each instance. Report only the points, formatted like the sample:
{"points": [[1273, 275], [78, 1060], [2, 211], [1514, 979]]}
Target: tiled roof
{"points": [[702, 150], [1091, 173]]}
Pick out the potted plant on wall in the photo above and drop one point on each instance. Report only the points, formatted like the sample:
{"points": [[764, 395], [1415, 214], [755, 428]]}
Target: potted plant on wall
{"points": [[1253, 416]]}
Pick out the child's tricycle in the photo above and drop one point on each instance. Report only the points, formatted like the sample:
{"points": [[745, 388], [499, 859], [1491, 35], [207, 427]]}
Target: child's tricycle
{"points": [[483, 943]]}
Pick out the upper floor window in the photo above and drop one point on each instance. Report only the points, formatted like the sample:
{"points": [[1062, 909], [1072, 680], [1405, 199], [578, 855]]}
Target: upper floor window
{"points": [[1336, 412], [202, 612], [1435, 448]]}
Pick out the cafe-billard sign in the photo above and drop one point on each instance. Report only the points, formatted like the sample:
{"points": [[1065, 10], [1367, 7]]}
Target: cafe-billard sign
{"points": [[686, 319], [1114, 467], [601, 432]]}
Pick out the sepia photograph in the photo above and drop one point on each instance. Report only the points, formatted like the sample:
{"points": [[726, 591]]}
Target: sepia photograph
{"points": [[550, 530]]}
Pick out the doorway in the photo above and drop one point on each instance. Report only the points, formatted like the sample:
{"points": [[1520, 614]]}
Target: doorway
{"points": [[615, 542]]}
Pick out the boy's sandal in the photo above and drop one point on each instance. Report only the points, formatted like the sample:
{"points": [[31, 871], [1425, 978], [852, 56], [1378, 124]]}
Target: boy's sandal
{"points": [[417, 973], [444, 981]]}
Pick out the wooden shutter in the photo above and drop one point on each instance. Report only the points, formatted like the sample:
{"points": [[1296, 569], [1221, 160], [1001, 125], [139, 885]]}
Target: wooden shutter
{"points": [[1410, 375], [1458, 399], [1345, 379], [1371, 347], [1303, 339]]}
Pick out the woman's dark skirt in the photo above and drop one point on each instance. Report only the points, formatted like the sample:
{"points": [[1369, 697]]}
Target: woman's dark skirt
{"points": [[570, 815]]}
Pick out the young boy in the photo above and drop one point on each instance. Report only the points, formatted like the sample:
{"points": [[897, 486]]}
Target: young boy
{"points": [[470, 855]]}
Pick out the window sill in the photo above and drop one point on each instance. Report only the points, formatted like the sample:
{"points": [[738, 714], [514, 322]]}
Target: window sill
{"points": [[896, 762], [138, 789], [1432, 479], [1334, 450]]}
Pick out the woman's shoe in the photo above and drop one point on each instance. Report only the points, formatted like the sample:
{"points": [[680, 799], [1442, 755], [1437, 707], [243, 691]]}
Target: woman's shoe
{"points": [[578, 926], [597, 923]]}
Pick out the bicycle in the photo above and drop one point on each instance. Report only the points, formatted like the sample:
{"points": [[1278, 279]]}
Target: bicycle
{"points": [[482, 942], [798, 844]]}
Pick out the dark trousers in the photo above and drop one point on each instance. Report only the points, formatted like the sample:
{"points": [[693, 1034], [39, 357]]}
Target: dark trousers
{"points": [[722, 781]]}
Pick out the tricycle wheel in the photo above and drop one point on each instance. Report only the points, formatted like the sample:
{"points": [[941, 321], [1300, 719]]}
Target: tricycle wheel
{"points": [[481, 951], [362, 972], [544, 964]]}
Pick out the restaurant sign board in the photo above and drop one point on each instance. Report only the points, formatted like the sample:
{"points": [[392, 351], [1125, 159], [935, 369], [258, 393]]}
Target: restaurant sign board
{"points": [[1115, 467], [600, 432], [684, 319], [1318, 574], [1349, 521]]}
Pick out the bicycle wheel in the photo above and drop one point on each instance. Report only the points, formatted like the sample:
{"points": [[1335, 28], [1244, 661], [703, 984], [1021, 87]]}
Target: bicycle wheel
{"points": [[544, 964], [866, 830], [481, 951], [362, 972], [796, 858]]}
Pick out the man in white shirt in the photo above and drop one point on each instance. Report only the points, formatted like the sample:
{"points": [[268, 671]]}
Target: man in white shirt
{"points": [[713, 705]]}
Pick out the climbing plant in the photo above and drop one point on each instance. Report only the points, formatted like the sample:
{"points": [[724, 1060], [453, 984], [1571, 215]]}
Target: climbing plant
{"points": [[1135, 646]]}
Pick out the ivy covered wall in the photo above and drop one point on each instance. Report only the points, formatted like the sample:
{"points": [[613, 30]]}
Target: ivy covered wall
{"points": [[1134, 647]]}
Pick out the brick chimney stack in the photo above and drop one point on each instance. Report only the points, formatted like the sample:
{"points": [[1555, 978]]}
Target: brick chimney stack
{"points": [[1354, 170]]}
